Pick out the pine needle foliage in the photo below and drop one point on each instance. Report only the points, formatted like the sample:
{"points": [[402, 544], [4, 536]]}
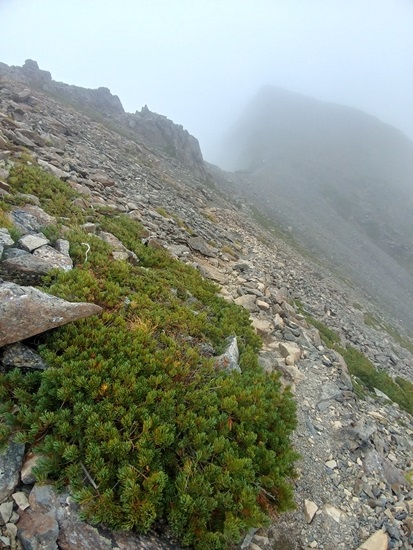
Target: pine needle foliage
{"points": [[132, 413]]}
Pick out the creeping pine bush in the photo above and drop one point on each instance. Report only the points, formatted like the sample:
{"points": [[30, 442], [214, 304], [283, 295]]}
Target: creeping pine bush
{"points": [[132, 413]]}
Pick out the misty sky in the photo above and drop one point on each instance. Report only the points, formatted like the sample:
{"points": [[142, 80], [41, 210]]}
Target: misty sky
{"points": [[200, 61]]}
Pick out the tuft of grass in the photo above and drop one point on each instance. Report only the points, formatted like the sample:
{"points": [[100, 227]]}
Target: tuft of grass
{"points": [[180, 223], [4, 219], [162, 212], [210, 217], [228, 250], [371, 321]]}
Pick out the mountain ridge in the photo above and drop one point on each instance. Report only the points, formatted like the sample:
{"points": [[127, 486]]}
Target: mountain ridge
{"points": [[356, 453], [336, 176]]}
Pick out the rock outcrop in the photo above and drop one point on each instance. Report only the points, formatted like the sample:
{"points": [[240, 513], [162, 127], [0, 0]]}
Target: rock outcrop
{"points": [[151, 128]]}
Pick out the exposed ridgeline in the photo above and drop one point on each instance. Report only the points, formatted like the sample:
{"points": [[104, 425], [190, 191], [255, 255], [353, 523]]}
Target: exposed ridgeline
{"points": [[153, 129], [339, 178]]}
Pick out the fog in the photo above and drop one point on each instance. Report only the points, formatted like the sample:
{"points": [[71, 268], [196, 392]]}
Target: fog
{"points": [[200, 62]]}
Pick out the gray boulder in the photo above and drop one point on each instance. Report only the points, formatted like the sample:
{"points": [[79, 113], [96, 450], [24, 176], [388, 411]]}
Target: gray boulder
{"points": [[11, 459], [229, 359], [26, 311], [20, 356]]}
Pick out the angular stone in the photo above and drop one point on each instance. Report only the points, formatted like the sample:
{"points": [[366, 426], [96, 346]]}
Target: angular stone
{"points": [[20, 139], [89, 227], [198, 244], [29, 268], [278, 321], [54, 258], [26, 311], [37, 531], [43, 498], [381, 394], [6, 510], [14, 253], [263, 305], [333, 512], [210, 272], [26, 473], [20, 356], [54, 170], [281, 295], [310, 509], [62, 246], [287, 349], [377, 541], [374, 462], [25, 268], [31, 242], [5, 238], [5, 541], [103, 179], [30, 219], [21, 500], [120, 252], [329, 391], [229, 359], [10, 465], [5, 186], [262, 327], [248, 301]]}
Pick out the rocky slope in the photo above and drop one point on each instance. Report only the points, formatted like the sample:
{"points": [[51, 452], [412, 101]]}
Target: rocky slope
{"points": [[340, 179], [355, 453]]}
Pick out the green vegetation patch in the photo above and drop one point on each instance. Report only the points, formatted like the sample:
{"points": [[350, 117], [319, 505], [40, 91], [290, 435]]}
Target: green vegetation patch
{"points": [[55, 195], [366, 376], [329, 336], [132, 412]]}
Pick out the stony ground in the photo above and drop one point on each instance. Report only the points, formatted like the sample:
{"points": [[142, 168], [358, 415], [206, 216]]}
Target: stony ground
{"points": [[350, 484]]}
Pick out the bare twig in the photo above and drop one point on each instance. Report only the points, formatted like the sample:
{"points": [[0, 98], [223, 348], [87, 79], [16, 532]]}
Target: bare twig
{"points": [[90, 478]]}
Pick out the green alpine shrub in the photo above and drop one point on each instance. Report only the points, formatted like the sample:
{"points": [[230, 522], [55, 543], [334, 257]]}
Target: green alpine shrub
{"points": [[132, 413]]}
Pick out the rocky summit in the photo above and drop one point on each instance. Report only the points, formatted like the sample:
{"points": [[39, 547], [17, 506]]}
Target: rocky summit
{"points": [[349, 372]]}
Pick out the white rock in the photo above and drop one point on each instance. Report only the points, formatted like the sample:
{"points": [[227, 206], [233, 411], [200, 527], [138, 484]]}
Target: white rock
{"points": [[247, 300], [31, 242], [262, 327], [288, 348], [310, 509], [278, 321], [26, 473], [21, 500], [378, 541], [333, 512], [6, 510]]}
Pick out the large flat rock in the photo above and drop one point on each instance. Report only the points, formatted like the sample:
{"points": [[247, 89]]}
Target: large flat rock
{"points": [[26, 311]]}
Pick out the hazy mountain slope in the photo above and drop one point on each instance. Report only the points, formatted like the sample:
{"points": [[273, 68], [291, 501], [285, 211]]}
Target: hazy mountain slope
{"points": [[339, 179], [333, 157]]}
